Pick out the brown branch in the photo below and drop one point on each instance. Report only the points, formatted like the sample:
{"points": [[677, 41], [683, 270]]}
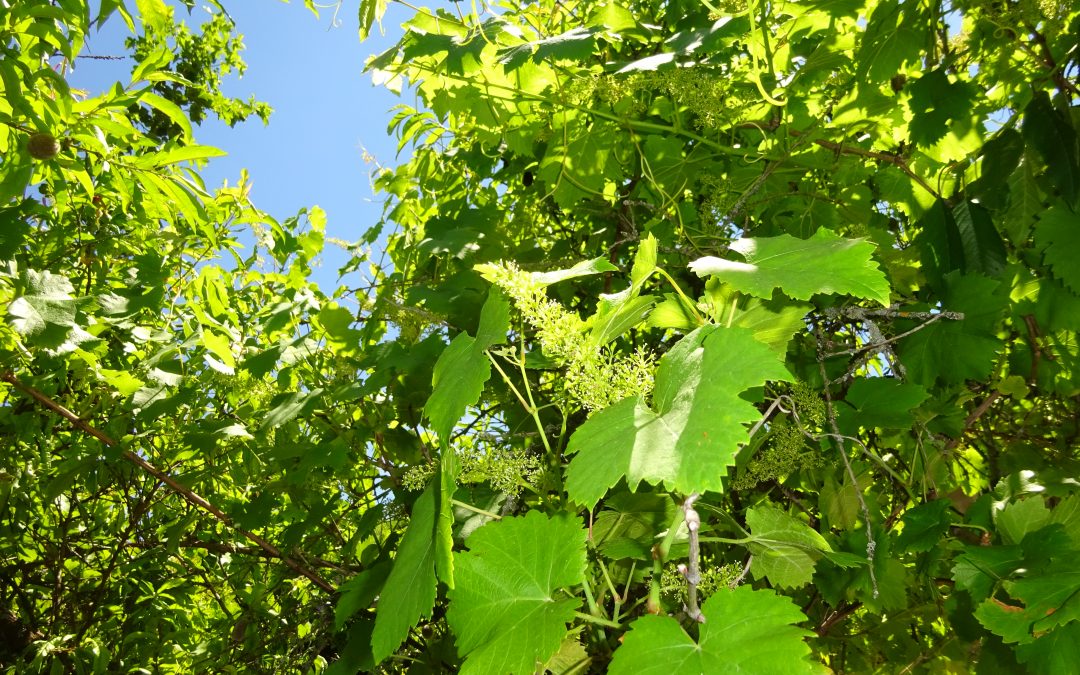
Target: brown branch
{"points": [[1051, 64], [185, 492], [836, 617], [888, 157], [219, 547], [972, 418]]}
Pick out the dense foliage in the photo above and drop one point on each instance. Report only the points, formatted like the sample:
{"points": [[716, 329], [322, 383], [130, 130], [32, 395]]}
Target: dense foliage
{"points": [[701, 337]]}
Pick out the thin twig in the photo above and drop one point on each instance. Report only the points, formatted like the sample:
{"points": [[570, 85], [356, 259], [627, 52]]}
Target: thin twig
{"points": [[185, 492], [830, 413]]}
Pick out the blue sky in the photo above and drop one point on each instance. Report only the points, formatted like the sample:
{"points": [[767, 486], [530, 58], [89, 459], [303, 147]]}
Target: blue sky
{"points": [[327, 112]]}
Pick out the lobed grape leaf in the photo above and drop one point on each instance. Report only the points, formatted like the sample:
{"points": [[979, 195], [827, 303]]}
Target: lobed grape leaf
{"points": [[824, 263], [691, 438], [503, 608], [785, 549], [745, 630], [1058, 236]]}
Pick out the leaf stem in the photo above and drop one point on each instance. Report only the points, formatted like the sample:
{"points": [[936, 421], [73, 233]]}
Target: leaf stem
{"points": [[607, 623], [470, 507]]}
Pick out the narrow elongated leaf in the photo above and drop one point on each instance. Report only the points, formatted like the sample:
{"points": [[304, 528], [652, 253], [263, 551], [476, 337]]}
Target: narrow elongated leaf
{"points": [[505, 609], [371, 11], [409, 592], [824, 263], [984, 251], [689, 438], [745, 631], [1049, 132]]}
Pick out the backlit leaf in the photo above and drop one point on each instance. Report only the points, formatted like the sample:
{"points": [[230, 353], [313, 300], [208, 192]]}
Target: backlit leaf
{"points": [[505, 610], [801, 268], [745, 630]]}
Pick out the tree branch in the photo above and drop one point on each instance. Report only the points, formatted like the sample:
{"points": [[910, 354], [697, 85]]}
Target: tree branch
{"points": [[185, 492]]}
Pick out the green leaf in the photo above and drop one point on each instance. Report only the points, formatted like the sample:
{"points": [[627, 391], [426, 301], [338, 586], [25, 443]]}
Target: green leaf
{"points": [[785, 549], [155, 14], [359, 592], [891, 40], [824, 263], [1021, 517], [1053, 136], [953, 351], [629, 523], [924, 526], [463, 368], [169, 109], [1058, 236], [575, 44], [984, 251], [370, 12], [745, 631], [1000, 157], [409, 592], [881, 402], [46, 300], [505, 609], [980, 567], [690, 437], [1057, 653]]}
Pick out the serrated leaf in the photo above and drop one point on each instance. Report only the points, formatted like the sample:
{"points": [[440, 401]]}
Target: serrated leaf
{"points": [[672, 313], [409, 592], [463, 367], [629, 524], [359, 592], [690, 437], [801, 268], [1057, 653], [370, 12], [881, 402], [984, 251], [785, 549], [1052, 596], [980, 567], [1057, 235], [952, 351], [1021, 517], [46, 301], [1049, 132], [745, 631], [924, 526], [504, 610]]}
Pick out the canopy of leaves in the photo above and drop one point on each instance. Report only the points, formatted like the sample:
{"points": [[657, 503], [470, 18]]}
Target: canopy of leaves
{"points": [[813, 260]]}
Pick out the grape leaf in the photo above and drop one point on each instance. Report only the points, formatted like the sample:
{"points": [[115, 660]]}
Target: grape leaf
{"points": [[954, 351], [1058, 236], [409, 592], [503, 608], [463, 368], [691, 438], [46, 301], [745, 630], [1056, 653], [980, 567], [824, 263], [880, 402], [924, 526], [785, 549]]}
